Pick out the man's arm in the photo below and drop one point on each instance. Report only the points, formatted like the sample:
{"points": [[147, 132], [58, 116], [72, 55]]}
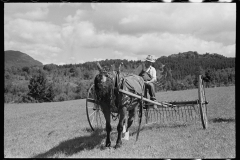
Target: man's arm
{"points": [[154, 76]]}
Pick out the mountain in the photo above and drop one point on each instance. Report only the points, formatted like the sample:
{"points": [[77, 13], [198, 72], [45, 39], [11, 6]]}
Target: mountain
{"points": [[187, 63], [194, 54], [19, 59]]}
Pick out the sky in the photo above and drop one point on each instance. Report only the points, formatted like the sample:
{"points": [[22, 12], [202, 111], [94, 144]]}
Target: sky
{"points": [[73, 33]]}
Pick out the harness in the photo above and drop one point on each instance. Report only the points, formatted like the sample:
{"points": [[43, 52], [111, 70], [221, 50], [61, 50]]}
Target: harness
{"points": [[117, 80], [116, 98]]}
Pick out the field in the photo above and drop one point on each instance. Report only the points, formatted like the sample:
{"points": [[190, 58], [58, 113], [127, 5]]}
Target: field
{"points": [[61, 130]]}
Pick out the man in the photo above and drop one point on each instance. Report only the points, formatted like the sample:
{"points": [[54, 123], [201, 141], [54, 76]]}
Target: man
{"points": [[149, 76]]}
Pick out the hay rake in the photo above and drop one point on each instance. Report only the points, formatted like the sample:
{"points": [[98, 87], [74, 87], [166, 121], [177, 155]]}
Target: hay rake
{"points": [[167, 113]]}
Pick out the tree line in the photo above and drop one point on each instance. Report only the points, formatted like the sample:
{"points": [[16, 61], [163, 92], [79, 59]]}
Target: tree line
{"points": [[52, 83]]}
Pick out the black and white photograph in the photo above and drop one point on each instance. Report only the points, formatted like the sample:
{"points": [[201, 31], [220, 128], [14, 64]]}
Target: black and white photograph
{"points": [[119, 80]]}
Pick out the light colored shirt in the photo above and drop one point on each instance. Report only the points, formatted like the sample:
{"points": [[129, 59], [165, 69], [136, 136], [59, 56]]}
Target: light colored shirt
{"points": [[152, 71]]}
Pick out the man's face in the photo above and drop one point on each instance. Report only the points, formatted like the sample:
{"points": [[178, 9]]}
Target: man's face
{"points": [[147, 63]]}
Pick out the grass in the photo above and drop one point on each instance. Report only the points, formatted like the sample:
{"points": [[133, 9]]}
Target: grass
{"points": [[61, 130]]}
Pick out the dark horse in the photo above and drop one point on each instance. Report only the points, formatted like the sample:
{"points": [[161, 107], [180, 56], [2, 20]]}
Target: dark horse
{"points": [[111, 100]]}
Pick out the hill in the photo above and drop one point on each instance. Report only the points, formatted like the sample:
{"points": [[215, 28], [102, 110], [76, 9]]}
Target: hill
{"points": [[71, 81], [19, 59], [187, 63]]}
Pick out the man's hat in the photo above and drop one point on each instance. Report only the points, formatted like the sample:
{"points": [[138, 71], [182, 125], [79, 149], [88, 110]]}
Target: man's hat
{"points": [[150, 58]]}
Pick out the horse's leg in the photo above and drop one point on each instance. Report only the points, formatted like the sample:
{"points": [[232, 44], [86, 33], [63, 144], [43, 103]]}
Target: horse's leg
{"points": [[122, 113], [132, 114], [107, 115]]}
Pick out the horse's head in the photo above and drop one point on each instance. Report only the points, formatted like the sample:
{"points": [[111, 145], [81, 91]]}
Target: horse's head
{"points": [[103, 83]]}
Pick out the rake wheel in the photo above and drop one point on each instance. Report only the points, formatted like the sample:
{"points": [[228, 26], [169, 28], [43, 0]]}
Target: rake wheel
{"points": [[202, 103], [94, 113]]}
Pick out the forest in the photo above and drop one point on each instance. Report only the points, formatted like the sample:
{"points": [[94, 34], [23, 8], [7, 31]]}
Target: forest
{"points": [[53, 83]]}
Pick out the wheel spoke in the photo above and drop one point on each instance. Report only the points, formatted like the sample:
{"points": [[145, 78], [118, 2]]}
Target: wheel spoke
{"points": [[90, 107], [93, 118], [92, 113]]}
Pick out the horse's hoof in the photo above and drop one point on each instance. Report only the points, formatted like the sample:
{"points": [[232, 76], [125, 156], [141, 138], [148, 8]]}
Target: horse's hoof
{"points": [[126, 136], [118, 145]]}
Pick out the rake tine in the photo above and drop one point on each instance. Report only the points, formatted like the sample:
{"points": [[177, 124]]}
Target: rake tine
{"points": [[149, 116], [146, 111], [169, 113], [192, 109], [189, 112], [185, 114], [172, 114], [152, 115], [182, 114], [177, 115], [155, 115], [192, 113], [197, 111], [164, 114], [160, 115]]}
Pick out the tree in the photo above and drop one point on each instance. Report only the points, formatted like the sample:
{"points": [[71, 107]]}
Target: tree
{"points": [[26, 69], [39, 89], [50, 67]]}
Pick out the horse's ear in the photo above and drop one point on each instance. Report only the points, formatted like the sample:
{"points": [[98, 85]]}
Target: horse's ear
{"points": [[113, 67], [119, 68], [143, 67], [99, 67]]}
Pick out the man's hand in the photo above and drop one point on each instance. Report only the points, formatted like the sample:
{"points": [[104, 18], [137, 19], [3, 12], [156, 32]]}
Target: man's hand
{"points": [[147, 82]]}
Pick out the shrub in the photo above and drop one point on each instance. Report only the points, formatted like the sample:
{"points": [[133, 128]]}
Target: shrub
{"points": [[27, 99], [8, 97], [39, 89], [60, 97]]}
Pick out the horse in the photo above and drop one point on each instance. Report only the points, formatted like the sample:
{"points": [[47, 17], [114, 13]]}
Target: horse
{"points": [[111, 100]]}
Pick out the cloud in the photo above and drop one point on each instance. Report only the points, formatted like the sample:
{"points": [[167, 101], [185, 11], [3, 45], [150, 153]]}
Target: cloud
{"points": [[31, 11], [32, 31], [161, 28], [129, 19], [118, 53], [98, 59], [140, 18], [33, 15], [118, 31]]}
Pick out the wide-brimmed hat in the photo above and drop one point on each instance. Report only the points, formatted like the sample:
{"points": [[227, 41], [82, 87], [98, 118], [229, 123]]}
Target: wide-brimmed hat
{"points": [[150, 59]]}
